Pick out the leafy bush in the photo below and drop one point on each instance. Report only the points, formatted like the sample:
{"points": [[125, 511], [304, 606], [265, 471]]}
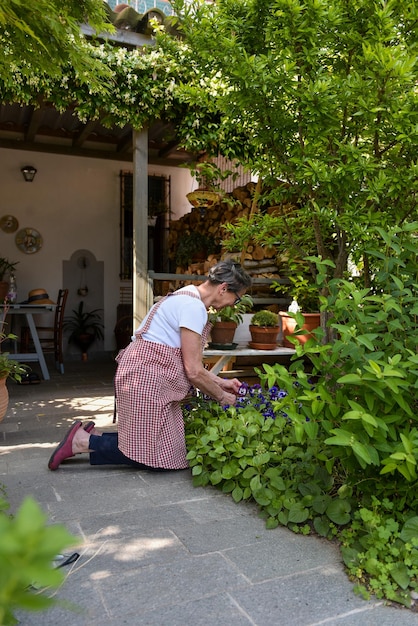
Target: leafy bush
{"points": [[28, 547], [331, 444]]}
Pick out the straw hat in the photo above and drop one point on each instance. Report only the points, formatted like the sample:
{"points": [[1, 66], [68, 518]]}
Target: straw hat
{"points": [[38, 296]]}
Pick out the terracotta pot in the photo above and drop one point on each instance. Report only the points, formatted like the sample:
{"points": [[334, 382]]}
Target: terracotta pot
{"points": [[312, 320], [223, 332], [4, 398], [83, 342], [264, 337], [4, 290]]}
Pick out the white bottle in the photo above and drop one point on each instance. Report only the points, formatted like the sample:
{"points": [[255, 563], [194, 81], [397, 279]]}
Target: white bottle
{"points": [[294, 307], [12, 295]]}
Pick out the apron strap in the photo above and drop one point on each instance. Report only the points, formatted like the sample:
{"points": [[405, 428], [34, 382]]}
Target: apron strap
{"points": [[157, 305]]}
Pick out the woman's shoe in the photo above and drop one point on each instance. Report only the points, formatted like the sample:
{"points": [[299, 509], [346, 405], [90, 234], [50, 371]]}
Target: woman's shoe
{"points": [[65, 449]]}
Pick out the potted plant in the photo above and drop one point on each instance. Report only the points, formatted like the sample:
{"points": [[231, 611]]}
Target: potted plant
{"points": [[226, 320], [5, 268], [305, 295], [264, 329], [194, 246], [9, 368], [85, 327], [208, 176]]}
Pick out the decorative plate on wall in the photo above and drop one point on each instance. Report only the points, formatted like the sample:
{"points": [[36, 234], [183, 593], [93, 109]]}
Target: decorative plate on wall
{"points": [[28, 240], [9, 224]]}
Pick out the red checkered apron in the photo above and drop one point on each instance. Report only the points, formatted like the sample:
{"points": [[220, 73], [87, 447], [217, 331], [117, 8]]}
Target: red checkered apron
{"points": [[150, 382]]}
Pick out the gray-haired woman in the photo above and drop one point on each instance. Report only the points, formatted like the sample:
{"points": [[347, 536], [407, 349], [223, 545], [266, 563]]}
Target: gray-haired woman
{"points": [[155, 372]]}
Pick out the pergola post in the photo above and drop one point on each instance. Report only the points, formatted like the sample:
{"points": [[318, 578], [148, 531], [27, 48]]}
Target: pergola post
{"points": [[142, 284]]}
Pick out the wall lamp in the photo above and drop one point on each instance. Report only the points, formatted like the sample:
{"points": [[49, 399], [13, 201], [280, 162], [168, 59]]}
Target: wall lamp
{"points": [[28, 172]]}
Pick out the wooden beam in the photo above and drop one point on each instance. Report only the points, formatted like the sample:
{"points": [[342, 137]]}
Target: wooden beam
{"points": [[84, 134], [125, 143], [34, 124]]}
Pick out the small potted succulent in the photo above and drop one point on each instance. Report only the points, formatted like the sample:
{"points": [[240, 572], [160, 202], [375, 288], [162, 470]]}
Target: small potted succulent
{"points": [[226, 320], [264, 329]]}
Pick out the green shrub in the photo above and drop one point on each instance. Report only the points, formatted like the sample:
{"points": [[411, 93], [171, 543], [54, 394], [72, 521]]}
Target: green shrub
{"points": [[28, 547], [331, 443]]}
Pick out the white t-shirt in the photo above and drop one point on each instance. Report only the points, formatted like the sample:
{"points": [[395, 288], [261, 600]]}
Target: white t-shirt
{"points": [[174, 313]]}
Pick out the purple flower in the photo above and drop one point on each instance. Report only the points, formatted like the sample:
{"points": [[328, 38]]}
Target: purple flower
{"points": [[255, 389], [242, 391]]}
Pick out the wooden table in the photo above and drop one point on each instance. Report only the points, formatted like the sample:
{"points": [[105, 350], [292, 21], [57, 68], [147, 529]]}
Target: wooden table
{"points": [[224, 356], [29, 310]]}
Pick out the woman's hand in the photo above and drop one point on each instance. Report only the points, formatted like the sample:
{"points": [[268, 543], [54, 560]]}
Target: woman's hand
{"points": [[228, 398], [230, 384]]}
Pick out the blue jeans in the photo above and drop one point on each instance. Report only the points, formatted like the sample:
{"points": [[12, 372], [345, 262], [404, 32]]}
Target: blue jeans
{"points": [[106, 452]]}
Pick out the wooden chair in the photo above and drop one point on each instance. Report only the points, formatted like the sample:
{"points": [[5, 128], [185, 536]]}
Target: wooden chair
{"points": [[50, 337]]}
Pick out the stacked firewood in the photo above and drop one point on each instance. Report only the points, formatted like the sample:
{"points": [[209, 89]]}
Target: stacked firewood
{"points": [[258, 261]]}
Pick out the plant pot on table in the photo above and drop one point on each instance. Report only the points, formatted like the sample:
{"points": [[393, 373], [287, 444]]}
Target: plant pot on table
{"points": [[264, 337], [223, 333], [312, 321]]}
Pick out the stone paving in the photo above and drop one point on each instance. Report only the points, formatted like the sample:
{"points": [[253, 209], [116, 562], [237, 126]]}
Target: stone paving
{"points": [[156, 551]]}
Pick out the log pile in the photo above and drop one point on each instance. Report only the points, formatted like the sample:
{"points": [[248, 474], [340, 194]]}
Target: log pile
{"points": [[258, 261]]}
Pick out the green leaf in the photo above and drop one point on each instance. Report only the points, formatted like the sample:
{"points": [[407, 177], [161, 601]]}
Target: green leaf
{"points": [[309, 489], [284, 517], [237, 494], [216, 477], [311, 429], [274, 478], [320, 503], [261, 459], [367, 340], [338, 511], [399, 573], [230, 470], [272, 522], [361, 452], [263, 497], [250, 472], [410, 529], [341, 438], [255, 483], [321, 525], [349, 379], [360, 415], [298, 513]]}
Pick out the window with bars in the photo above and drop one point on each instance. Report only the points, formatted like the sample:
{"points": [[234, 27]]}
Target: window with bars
{"points": [[158, 223]]}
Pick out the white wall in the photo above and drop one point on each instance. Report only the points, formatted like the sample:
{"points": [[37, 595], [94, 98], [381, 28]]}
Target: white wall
{"points": [[74, 203]]}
